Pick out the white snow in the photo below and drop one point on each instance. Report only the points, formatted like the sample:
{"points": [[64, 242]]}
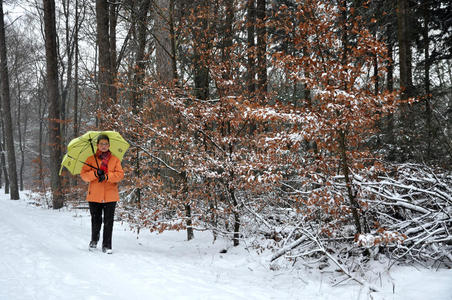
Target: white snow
{"points": [[44, 255]]}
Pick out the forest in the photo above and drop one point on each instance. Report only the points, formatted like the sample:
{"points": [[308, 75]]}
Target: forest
{"points": [[321, 130]]}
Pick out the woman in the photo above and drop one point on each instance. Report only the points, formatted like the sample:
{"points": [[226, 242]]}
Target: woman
{"points": [[102, 191]]}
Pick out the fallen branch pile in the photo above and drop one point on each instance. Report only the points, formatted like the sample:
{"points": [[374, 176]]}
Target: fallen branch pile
{"points": [[414, 204], [406, 215]]}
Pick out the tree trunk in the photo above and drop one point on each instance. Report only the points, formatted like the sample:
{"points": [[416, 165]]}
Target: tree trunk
{"points": [[261, 48], [354, 206], [5, 171], [65, 79], [428, 110], [1, 166], [19, 132], [404, 48], [105, 78], [173, 40], [190, 233], [251, 61], [24, 139], [69, 55], [235, 209], [201, 46], [3, 159], [142, 20], [113, 21], [390, 139], [139, 75], [228, 39], [164, 56], [40, 143], [77, 26], [52, 95], [12, 171], [449, 111]]}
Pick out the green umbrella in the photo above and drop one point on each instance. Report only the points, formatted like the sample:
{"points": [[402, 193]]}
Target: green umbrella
{"points": [[79, 149]]}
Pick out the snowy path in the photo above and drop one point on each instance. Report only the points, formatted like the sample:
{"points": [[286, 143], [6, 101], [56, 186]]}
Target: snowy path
{"points": [[43, 255]]}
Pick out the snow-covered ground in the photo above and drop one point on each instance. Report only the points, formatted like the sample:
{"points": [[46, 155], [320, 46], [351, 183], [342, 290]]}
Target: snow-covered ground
{"points": [[43, 255]]}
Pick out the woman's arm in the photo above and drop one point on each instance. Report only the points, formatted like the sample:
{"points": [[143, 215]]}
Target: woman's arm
{"points": [[88, 174], [117, 174]]}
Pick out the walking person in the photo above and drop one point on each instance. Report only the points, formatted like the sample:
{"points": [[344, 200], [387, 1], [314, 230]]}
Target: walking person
{"points": [[102, 191]]}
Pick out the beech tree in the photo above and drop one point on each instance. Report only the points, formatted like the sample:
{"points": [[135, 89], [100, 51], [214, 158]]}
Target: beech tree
{"points": [[6, 113], [106, 32], [21, 72], [53, 99], [3, 171], [165, 59], [343, 111], [224, 164]]}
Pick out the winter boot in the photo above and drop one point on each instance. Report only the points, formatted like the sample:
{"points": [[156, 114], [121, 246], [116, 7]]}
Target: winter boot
{"points": [[92, 245], [107, 250]]}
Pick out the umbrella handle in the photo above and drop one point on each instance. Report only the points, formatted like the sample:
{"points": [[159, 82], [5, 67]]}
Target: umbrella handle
{"points": [[92, 148]]}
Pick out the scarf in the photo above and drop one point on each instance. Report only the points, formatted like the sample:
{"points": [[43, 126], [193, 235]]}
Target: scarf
{"points": [[104, 157]]}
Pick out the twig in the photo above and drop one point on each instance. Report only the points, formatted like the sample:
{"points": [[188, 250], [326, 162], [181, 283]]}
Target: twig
{"points": [[288, 248], [323, 250]]}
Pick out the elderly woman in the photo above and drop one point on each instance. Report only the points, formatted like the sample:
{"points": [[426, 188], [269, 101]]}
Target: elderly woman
{"points": [[102, 191]]}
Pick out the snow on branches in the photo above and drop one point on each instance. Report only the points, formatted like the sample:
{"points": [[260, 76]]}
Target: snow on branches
{"points": [[414, 202], [295, 170]]}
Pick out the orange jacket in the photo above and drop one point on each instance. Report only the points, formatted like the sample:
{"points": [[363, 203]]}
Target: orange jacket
{"points": [[106, 191]]}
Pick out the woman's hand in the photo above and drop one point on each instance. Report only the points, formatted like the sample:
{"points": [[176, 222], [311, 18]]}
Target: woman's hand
{"points": [[100, 174]]}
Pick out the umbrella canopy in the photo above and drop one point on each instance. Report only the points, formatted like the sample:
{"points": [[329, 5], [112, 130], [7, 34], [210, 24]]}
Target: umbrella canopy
{"points": [[79, 149]]}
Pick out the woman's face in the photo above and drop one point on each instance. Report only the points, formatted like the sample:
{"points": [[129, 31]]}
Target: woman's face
{"points": [[103, 145]]}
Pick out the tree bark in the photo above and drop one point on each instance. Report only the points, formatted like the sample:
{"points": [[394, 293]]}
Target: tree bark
{"points": [[164, 56], [261, 48], [428, 110], [354, 206], [390, 138], [3, 159], [75, 110], [12, 170], [404, 48], [236, 213], [251, 61], [1, 166], [105, 78], [19, 131], [173, 41], [65, 88], [142, 20], [187, 206], [113, 21], [201, 49], [449, 111], [54, 108], [40, 142], [23, 143], [228, 38]]}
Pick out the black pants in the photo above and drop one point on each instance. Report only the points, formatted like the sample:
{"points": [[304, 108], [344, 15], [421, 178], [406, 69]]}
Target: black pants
{"points": [[96, 210]]}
